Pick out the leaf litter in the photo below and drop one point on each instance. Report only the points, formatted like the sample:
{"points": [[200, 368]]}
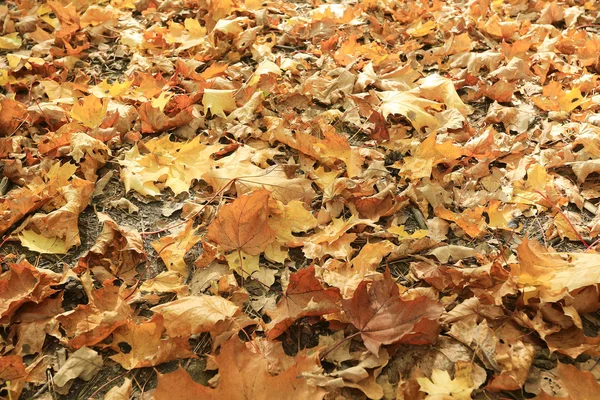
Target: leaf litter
{"points": [[241, 199]]}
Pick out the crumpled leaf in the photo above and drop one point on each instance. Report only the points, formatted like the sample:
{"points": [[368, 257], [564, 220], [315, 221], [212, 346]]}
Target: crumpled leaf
{"points": [[118, 251], [91, 323], [82, 364], [410, 106]]}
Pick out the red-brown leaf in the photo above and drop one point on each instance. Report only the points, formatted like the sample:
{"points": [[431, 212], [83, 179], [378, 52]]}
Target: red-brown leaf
{"points": [[377, 311]]}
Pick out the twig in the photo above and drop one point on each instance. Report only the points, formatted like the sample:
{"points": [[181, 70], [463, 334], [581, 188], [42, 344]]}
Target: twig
{"points": [[107, 383]]}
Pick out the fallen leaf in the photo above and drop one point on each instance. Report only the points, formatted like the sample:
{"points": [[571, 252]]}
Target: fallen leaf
{"points": [[83, 364], [441, 386], [143, 345], [90, 112], [173, 248], [195, 314], [243, 225], [305, 296], [382, 318], [234, 360]]}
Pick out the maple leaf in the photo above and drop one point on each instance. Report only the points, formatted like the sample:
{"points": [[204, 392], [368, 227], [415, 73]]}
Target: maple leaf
{"points": [[305, 297], [168, 164], [243, 225], [173, 248], [11, 368], [441, 387], [290, 218], [195, 314], [83, 364], [118, 250], [145, 346], [90, 112], [12, 114], [235, 360], [249, 177], [154, 120], [12, 41], [91, 323], [554, 98], [381, 317], [23, 283], [218, 101], [58, 231], [580, 385]]}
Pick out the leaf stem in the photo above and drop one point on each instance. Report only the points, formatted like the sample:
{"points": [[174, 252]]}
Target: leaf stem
{"points": [[338, 345]]}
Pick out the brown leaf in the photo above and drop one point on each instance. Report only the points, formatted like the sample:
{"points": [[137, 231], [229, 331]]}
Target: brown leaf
{"points": [[117, 251], [144, 345], [304, 297], [581, 385], [11, 367], [156, 121], [23, 283], [91, 323], [243, 375], [243, 225], [195, 314], [377, 311]]}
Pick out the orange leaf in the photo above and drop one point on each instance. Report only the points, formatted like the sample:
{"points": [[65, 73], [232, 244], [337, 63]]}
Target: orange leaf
{"points": [[244, 375], [243, 224], [304, 297]]}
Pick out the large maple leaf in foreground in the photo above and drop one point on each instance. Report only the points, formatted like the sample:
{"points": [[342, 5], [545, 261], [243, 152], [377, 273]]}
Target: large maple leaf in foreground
{"points": [[382, 317], [243, 375]]}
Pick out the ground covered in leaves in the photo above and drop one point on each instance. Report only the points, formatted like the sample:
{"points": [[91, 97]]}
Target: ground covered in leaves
{"points": [[238, 199]]}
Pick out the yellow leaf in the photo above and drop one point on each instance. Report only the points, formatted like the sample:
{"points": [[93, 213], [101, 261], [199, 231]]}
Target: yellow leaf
{"points": [[161, 101], [105, 89], [440, 386], [167, 164], [42, 244], [173, 248], [218, 101], [247, 265], [411, 107], [403, 235], [12, 41], [419, 29], [428, 154], [90, 112]]}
